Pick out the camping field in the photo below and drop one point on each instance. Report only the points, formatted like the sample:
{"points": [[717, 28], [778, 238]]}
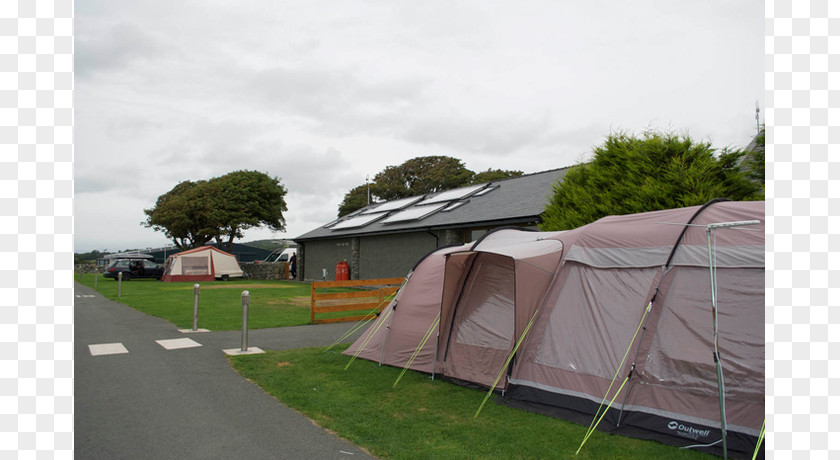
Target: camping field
{"points": [[422, 418], [273, 303]]}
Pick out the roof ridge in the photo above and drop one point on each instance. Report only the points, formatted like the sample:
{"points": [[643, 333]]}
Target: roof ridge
{"points": [[525, 175], [462, 186]]}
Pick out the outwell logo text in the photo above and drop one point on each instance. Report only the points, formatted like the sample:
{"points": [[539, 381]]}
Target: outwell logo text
{"points": [[687, 431]]}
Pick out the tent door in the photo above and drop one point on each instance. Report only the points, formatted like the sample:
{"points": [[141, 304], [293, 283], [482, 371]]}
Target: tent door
{"points": [[483, 323]]}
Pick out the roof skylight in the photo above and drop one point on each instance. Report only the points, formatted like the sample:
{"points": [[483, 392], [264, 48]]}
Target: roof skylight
{"points": [[360, 221], [413, 213], [392, 205], [457, 204], [450, 195], [486, 191]]}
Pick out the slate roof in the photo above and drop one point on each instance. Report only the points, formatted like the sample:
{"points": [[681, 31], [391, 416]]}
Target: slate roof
{"points": [[509, 201]]}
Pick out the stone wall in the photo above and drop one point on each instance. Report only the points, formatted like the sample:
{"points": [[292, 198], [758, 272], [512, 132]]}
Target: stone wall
{"points": [[88, 268], [262, 271], [265, 270]]}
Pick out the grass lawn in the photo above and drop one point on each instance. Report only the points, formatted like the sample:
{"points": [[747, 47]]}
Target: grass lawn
{"points": [[273, 303], [423, 418]]}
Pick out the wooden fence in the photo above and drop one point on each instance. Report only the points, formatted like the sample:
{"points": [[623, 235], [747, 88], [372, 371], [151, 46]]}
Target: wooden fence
{"points": [[365, 300]]}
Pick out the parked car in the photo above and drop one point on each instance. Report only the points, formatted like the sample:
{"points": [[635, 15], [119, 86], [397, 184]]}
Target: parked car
{"points": [[133, 268]]}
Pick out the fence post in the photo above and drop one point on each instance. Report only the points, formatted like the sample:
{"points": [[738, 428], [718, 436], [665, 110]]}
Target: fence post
{"points": [[312, 289], [196, 288], [246, 299], [119, 284]]}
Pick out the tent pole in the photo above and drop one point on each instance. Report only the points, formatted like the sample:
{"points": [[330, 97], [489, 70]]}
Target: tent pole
{"points": [[385, 339], [713, 284], [437, 345], [633, 363], [639, 346], [388, 326]]}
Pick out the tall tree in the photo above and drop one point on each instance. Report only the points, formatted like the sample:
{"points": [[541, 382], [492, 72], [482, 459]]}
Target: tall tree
{"points": [[657, 171], [194, 213], [356, 198], [246, 199], [421, 175], [183, 215]]}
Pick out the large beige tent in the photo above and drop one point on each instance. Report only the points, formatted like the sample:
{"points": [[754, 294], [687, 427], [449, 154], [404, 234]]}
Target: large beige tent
{"points": [[619, 310], [201, 264]]}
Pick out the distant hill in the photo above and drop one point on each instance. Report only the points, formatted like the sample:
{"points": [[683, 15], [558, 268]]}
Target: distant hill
{"points": [[89, 257], [269, 245]]}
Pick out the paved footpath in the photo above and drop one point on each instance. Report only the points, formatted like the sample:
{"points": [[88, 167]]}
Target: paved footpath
{"points": [[136, 399]]}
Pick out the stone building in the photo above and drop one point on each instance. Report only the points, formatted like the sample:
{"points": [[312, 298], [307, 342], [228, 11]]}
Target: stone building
{"points": [[385, 240]]}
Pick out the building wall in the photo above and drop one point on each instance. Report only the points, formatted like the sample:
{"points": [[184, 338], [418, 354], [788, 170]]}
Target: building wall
{"points": [[378, 256], [320, 254], [370, 257], [392, 256]]}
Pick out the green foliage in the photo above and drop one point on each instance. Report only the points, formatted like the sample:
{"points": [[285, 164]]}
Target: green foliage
{"points": [[423, 418], [657, 171], [84, 257], [193, 213], [356, 198], [183, 214], [247, 199], [493, 174], [754, 161], [418, 176], [421, 175]]}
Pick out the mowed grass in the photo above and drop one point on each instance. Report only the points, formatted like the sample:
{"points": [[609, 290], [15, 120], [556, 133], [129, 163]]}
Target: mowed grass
{"points": [[273, 303], [423, 418]]}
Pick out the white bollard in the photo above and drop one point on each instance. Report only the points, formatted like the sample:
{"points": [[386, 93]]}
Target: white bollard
{"points": [[196, 288], [119, 284], [246, 300]]}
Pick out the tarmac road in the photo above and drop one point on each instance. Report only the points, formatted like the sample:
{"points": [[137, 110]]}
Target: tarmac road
{"points": [[184, 403]]}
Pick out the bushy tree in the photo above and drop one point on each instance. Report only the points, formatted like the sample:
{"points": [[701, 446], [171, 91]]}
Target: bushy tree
{"points": [[418, 176], [194, 213], [493, 174], [636, 174], [421, 175], [246, 199], [356, 198], [183, 214], [754, 161]]}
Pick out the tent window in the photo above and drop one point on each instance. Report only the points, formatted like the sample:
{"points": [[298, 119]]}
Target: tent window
{"points": [[487, 308], [195, 265], [594, 317]]}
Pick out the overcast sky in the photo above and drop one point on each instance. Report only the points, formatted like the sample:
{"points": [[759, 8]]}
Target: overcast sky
{"points": [[322, 94]]}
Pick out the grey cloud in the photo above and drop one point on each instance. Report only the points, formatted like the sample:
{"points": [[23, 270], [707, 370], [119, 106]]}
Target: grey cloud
{"points": [[492, 136], [211, 148], [337, 98], [118, 47]]}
